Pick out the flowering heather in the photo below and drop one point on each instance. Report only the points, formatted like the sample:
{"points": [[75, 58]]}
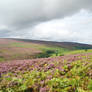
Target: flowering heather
{"points": [[71, 73]]}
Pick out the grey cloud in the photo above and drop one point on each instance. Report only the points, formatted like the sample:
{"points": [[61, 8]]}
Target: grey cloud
{"points": [[25, 13], [5, 33], [75, 28], [19, 18]]}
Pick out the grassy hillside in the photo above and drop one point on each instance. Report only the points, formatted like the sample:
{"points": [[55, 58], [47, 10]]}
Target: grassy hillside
{"points": [[37, 66], [79, 51], [68, 45], [14, 50]]}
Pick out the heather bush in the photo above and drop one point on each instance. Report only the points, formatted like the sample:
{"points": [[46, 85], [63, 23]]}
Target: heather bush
{"points": [[59, 74]]}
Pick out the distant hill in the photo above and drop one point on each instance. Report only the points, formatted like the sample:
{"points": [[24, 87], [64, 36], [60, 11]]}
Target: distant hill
{"points": [[19, 49], [68, 45]]}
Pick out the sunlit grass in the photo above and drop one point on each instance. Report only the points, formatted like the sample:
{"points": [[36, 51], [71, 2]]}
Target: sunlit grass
{"points": [[58, 50], [2, 59], [80, 51]]}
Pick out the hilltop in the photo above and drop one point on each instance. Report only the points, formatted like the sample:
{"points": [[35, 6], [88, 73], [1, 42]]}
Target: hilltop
{"points": [[68, 45]]}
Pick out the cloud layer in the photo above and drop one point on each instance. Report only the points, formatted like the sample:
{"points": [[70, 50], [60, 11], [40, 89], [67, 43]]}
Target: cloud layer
{"points": [[22, 13], [77, 28], [46, 19]]}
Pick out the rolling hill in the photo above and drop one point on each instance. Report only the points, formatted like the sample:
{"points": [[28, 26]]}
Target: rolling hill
{"points": [[44, 66], [16, 49], [68, 45]]}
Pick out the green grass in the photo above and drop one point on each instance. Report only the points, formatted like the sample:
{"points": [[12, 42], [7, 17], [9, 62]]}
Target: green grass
{"points": [[80, 51], [2, 59], [57, 51], [46, 50], [43, 51], [26, 45]]}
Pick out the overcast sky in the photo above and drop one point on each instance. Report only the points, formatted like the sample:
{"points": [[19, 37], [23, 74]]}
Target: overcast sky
{"points": [[55, 20]]}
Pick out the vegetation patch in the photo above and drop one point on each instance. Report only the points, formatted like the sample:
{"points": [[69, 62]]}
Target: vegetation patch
{"points": [[47, 75], [2, 58]]}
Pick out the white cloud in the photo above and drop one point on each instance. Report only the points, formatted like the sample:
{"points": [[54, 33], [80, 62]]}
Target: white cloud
{"points": [[76, 28]]}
